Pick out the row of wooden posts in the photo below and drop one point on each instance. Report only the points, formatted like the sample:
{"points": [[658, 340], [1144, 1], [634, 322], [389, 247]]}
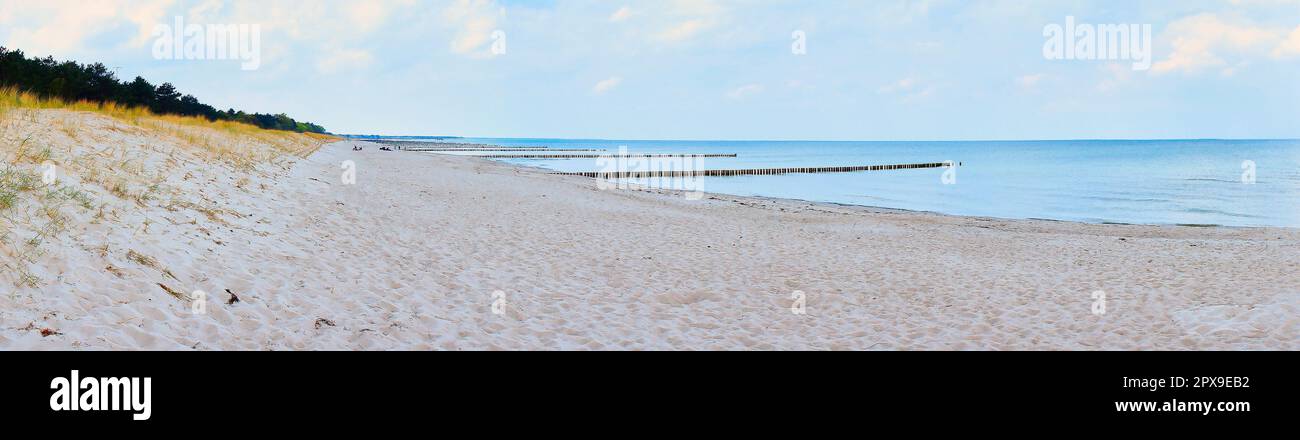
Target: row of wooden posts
{"points": [[666, 173], [752, 172]]}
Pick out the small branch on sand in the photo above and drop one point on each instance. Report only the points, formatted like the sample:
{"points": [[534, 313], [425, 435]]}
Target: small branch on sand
{"points": [[172, 292]]}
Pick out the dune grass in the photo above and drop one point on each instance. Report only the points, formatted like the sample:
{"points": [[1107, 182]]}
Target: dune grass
{"points": [[189, 129], [12, 98], [132, 159]]}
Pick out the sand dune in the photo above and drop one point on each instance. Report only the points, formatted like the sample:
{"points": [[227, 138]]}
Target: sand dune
{"points": [[450, 253]]}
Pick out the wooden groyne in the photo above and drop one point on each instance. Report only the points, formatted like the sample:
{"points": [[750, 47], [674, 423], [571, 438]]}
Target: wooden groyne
{"points": [[753, 172], [591, 156]]}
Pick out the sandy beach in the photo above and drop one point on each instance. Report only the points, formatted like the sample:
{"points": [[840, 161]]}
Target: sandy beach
{"points": [[435, 252]]}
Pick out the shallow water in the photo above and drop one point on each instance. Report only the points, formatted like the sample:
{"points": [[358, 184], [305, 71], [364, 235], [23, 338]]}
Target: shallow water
{"points": [[1195, 182]]}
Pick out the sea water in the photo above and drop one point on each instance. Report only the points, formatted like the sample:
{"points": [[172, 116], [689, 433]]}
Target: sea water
{"points": [[1187, 182]]}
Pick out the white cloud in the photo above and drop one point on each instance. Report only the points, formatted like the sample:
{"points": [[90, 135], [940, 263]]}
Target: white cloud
{"points": [[59, 26], [606, 85], [1207, 41], [683, 31], [367, 15], [325, 35], [687, 19], [622, 14], [145, 15], [474, 21], [1290, 46], [745, 91], [64, 28]]}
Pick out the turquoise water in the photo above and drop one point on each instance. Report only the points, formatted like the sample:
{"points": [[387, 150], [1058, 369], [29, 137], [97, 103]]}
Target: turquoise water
{"points": [[1142, 182]]}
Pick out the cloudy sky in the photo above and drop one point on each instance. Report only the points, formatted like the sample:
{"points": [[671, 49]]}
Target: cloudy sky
{"points": [[711, 69]]}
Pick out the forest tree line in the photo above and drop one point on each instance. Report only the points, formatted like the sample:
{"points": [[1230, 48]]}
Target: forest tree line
{"points": [[74, 82]]}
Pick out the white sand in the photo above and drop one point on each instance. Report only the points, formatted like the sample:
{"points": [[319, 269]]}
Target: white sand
{"points": [[409, 258]]}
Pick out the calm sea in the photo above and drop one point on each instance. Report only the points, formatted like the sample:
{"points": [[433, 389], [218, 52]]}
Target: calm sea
{"points": [[1194, 182]]}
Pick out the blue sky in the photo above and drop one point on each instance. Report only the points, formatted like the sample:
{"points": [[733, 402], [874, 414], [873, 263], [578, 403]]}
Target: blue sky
{"points": [[712, 69]]}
